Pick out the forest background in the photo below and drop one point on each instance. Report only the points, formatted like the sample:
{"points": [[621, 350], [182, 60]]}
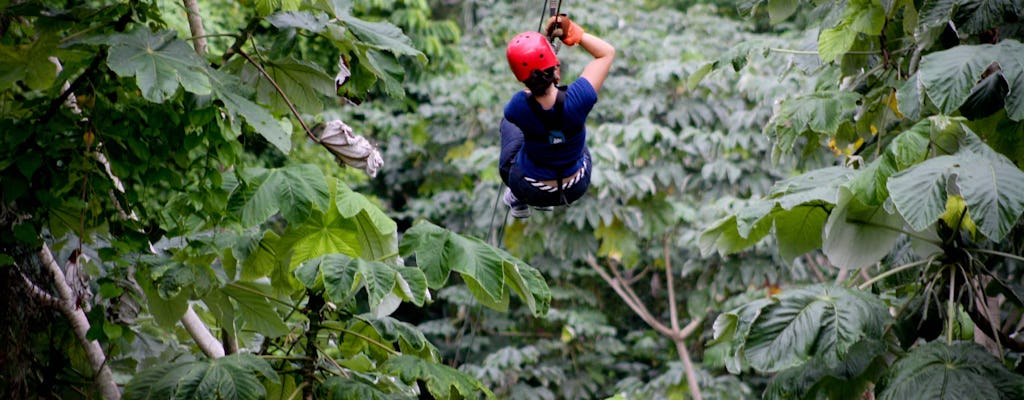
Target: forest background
{"points": [[791, 200]]}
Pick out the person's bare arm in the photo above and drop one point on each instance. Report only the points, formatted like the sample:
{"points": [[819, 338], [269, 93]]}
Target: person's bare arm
{"points": [[597, 70]]}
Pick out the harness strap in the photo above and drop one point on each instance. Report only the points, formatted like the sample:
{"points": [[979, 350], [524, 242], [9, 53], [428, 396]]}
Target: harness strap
{"points": [[553, 125], [552, 121]]}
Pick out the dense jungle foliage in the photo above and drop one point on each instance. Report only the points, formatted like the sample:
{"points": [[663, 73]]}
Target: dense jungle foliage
{"points": [[791, 200]]}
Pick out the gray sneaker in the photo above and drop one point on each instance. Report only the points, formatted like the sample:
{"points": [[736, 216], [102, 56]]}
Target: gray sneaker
{"points": [[518, 209]]}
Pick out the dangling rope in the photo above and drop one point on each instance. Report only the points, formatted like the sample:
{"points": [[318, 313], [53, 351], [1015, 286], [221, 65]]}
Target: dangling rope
{"points": [[498, 233]]}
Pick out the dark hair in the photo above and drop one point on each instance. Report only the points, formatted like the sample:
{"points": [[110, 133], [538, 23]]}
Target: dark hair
{"points": [[540, 80]]}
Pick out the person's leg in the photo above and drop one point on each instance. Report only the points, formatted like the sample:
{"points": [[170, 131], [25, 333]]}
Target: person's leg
{"points": [[511, 144]]}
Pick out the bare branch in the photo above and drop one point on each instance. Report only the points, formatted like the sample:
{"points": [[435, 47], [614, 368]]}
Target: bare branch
{"points": [[673, 317], [691, 373], [638, 308]]}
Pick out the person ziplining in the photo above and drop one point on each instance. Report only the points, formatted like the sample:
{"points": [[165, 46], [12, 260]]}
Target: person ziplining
{"points": [[545, 161]]}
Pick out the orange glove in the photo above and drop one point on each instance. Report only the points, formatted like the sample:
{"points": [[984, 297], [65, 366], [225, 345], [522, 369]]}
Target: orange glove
{"points": [[563, 28]]}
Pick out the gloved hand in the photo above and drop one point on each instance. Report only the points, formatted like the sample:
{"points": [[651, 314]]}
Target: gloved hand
{"points": [[563, 28]]}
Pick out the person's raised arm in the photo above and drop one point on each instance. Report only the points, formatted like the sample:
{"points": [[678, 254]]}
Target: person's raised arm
{"points": [[603, 53], [571, 34]]}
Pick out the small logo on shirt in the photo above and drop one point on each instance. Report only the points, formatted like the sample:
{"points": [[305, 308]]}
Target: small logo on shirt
{"points": [[556, 137]]}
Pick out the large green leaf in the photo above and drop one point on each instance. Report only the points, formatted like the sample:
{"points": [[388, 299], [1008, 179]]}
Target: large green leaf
{"points": [[379, 35], [303, 82], [794, 207], [869, 184], [410, 339], [799, 230], [294, 191], [427, 241], [314, 22], [228, 378], [962, 371], [489, 272], [858, 235], [341, 277], [817, 321], [29, 63], [229, 91], [948, 76], [725, 237], [377, 233], [818, 185], [325, 233], [338, 388], [732, 329], [990, 184], [254, 310], [836, 41], [160, 63], [1011, 59], [441, 380], [780, 10], [166, 312], [846, 380], [819, 113], [919, 193]]}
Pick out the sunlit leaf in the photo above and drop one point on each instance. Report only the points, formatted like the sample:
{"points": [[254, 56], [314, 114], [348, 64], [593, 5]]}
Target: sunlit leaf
{"points": [[377, 233], [294, 191], [858, 235], [799, 230]]}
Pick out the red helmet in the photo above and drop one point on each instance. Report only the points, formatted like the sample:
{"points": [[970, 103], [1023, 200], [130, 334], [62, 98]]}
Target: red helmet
{"points": [[529, 51]]}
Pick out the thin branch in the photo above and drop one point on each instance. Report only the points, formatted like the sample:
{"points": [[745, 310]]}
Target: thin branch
{"points": [[998, 253], [637, 308], [673, 318], [949, 310], [263, 295], [281, 92], [691, 373], [640, 304], [636, 278], [334, 363], [893, 271], [691, 327], [370, 340]]}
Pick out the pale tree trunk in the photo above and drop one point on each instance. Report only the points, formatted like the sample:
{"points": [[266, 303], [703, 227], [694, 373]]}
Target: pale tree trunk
{"points": [[195, 326], [67, 302], [678, 335]]}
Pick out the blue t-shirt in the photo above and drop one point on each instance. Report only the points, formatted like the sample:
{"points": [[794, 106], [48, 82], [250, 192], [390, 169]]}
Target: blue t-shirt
{"points": [[539, 158]]}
